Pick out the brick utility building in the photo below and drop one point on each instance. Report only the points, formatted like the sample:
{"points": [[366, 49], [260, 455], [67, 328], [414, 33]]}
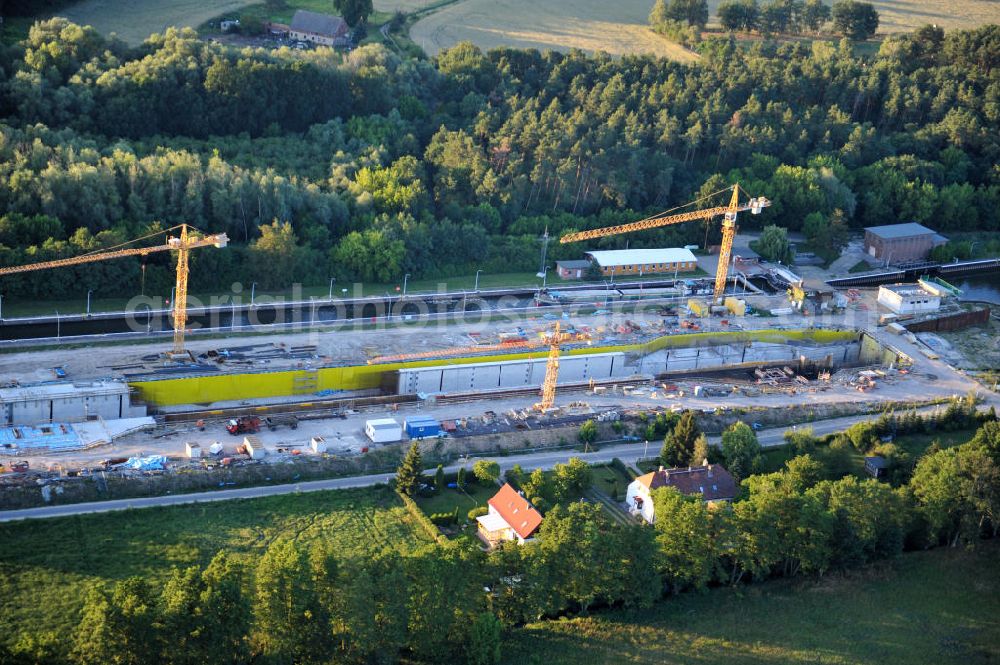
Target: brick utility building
{"points": [[899, 243], [320, 29], [572, 269], [644, 261]]}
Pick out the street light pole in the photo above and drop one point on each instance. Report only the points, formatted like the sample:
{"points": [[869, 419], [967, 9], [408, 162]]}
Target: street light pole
{"points": [[58, 333], [406, 278], [89, 291], [477, 280], [253, 291], [330, 296]]}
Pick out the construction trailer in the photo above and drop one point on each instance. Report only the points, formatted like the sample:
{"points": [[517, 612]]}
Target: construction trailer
{"points": [[318, 444], [383, 430], [422, 427], [192, 450]]}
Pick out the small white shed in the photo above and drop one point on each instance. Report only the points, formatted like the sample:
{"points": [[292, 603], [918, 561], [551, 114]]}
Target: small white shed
{"points": [[384, 430], [193, 450], [318, 444]]}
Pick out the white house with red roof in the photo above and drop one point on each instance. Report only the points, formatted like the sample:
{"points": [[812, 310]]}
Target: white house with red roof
{"points": [[711, 481], [510, 517]]}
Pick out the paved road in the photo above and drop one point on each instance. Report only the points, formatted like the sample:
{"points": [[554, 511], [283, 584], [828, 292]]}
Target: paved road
{"points": [[629, 453]]}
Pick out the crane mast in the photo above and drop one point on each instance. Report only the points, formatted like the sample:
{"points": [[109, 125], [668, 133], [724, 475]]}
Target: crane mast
{"points": [[551, 372], [754, 205]]}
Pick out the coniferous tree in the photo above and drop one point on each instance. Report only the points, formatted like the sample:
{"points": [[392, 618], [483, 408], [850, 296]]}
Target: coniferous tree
{"points": [[410, 470]]}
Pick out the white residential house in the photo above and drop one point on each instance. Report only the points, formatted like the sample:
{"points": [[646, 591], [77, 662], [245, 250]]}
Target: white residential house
{"points": [[510, 517], [711, 481]]}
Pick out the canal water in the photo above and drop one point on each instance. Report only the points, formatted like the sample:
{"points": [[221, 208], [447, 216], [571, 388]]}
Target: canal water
{"points": [[983, 287]]}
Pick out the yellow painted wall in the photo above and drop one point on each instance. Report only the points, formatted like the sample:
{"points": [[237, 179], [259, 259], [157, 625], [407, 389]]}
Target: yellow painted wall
{"points": [[229, 387]]}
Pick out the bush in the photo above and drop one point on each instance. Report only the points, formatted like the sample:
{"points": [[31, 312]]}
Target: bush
{"points": [[477, 512], [445, 519]]}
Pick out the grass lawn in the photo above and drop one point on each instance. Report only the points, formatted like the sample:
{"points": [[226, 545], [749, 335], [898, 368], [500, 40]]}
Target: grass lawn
{"points": [[473, 496], [46, 565], [607, 477], [13, 307], [916, 444], [935, 607], [860, 266]]}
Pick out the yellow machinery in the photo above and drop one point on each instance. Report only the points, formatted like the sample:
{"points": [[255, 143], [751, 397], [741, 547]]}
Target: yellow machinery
{"points": [[735, 306], [698, 307], [184, 243], [754, 205]]}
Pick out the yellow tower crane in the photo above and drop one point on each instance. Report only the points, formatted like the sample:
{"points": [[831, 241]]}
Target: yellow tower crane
{"points": [[754, 205], [184, 243], [555, 339]]}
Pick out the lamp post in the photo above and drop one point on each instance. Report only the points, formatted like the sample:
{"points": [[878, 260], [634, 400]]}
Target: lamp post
{"points": [[477, 280], [330, 296], [172, 289], [1, 308], [253, 291], [89, 291], [406, 278], [58, 333]]}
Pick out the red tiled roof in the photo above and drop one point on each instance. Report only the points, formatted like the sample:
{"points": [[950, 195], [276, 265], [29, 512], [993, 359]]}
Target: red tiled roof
{"points": [[712, 482], [516, 511]]}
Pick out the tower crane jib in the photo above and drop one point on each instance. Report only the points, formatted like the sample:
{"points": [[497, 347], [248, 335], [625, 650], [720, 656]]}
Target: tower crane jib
{"points": [[729, 213]]}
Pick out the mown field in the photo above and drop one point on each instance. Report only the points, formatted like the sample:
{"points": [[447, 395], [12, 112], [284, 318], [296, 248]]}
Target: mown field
{"points": [[620, 27], [135, 20], [935, 607], [46, 565], [592, 25]]}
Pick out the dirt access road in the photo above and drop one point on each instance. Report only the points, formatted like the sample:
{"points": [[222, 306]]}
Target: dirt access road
{"points": [[628, 453]]}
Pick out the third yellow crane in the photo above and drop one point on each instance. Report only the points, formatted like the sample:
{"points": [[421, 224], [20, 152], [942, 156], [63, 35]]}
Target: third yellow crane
{"points": [[754, 205]]}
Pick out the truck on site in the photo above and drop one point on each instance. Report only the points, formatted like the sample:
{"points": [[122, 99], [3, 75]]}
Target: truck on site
{"points": [[274, 422], [243, 425]]}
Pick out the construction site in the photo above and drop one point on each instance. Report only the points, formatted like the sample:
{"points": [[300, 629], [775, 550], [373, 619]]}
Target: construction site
{"points": [[515, 379]]}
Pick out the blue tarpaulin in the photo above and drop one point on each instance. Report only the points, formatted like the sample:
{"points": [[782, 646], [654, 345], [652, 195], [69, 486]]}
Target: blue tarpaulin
{"points": [[151, 463]]}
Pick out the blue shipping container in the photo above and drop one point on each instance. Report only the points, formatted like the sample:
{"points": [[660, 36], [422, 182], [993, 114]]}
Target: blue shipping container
{"points": [[420, 427]]}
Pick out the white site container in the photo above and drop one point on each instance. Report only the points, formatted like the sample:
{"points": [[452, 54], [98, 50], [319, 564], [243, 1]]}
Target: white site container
{"points": [[193, 450], [384, 430], [318, 444], [255, 448]]}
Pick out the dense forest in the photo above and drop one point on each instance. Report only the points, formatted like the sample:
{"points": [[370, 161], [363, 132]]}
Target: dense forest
{"points": [[366, 166], [449, 602]]}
